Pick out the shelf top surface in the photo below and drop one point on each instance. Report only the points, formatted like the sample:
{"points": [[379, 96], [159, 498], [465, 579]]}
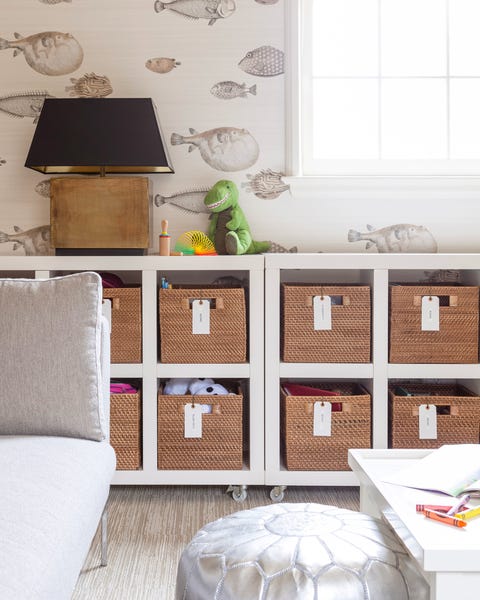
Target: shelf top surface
{"points": [[372, 261], [246, 262], [133, 263]]}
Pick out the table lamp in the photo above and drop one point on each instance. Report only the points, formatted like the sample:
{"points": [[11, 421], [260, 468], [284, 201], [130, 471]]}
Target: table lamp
{"points": [[97, 136]]}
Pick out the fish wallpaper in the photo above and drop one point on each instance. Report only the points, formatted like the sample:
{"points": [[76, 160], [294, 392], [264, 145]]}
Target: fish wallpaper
{"points": [[216, 70]]}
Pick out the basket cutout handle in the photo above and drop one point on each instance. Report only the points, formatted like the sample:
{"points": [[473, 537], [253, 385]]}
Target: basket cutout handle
{"points": [[336, 407], [443, 300], [442, 410], [116, 303], [186, 303], [337, 300]]}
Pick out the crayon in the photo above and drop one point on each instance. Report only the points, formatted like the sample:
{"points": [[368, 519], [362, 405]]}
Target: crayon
{"points": [[468, 514], [443, 518], [457, 507], [439, 507]]}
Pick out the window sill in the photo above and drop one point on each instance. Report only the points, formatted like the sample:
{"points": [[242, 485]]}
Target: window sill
{"points": [[311, 186]]}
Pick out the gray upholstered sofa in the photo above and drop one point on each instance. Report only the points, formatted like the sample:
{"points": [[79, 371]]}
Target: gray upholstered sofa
{"points": [[56, 464]]}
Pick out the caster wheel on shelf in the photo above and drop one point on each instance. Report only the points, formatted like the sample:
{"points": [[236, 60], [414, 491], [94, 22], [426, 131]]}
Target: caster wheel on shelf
{"points": [[239, 492], [277, 494]]}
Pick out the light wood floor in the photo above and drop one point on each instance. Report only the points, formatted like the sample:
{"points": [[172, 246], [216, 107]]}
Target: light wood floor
{"points": [[150, 526]]}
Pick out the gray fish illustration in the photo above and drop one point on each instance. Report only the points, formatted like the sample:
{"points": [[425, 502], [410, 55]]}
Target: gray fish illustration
{"points": [[53, 1], [43, 188], [397, 238], [226, 90], [223, 148], [48, 53], [90, 86], [24, 104], [161, 64], [266, 184], [274, 247], [199, 9], [189, 201], [265, 61], [2, 162], [34, 241]]}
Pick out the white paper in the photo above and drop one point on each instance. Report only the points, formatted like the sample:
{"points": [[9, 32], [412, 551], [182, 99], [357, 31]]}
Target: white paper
{"points": [[201, 316], [452, 469], [322, 313], [430, 313], [322, 419], [427, 422], [193, 421]]}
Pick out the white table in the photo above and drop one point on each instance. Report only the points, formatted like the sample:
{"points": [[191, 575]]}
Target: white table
{"points": [[449, 557]]}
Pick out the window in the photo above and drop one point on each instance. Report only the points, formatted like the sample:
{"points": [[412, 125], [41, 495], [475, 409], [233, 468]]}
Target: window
{"points": [[385, 87]]}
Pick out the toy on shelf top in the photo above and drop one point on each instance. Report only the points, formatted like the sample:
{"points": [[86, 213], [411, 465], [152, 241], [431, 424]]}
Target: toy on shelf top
{"points": [[195, 242], [228, 229], [164, 240]]}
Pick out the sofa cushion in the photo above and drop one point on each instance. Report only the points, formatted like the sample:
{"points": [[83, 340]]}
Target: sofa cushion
{"points": [[53, 491], [50, 336]]}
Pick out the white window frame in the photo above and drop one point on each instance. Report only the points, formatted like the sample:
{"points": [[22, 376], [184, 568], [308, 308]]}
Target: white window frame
{"points": [[430, 174]]}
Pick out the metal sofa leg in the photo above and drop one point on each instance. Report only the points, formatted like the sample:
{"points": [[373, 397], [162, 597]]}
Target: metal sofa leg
{"points": [[104, 519]]}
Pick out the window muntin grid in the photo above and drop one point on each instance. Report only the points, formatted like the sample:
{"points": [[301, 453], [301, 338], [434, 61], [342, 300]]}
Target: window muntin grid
{"points": [[390, 86]]}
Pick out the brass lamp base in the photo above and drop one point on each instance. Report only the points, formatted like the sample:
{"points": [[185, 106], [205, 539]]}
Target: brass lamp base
{"points": [[99, 214]]}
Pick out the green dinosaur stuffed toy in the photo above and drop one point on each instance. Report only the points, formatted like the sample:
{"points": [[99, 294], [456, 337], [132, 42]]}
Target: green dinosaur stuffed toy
{"points": [[228, 229]]}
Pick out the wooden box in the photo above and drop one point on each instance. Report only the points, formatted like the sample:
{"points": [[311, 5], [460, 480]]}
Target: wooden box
{"points": [[348, 340], [456, 340], [457, 415], [99, 212], [350, 428], [220, 446]]}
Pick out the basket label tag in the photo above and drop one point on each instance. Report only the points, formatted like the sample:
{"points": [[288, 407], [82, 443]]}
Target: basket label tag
{"points": [[193, 421], [322, 419], [427, 422], [322, 312], [430, 313], [201, 316]]}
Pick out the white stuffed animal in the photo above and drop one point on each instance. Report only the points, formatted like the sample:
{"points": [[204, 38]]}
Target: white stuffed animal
{"points": [[177, 386], [198, 384], [212, 389]]}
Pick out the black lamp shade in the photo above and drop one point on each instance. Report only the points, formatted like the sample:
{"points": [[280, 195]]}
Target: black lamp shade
{"points": [[98, 135]]}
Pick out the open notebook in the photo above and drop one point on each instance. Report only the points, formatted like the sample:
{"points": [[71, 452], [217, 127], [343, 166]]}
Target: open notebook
{"points": [[452, 469]]}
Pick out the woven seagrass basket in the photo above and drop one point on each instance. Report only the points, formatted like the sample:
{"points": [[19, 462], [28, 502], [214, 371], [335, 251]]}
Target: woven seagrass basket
{"points": [[227, 340], [458, 415], [220, 446], [350, 428], [126, 336], [349, 338], [125, 430], [457, 339]]}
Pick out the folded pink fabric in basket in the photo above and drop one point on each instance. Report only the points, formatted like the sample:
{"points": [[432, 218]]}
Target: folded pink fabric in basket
{"points": [[122, 388]]}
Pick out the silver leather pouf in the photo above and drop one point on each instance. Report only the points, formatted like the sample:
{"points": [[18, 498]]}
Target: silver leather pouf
{"points": [[290, 551]]}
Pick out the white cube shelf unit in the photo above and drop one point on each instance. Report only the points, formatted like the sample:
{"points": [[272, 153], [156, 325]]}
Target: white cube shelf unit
{"points": [[147, 272], [376, 270], [264, 370]]}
